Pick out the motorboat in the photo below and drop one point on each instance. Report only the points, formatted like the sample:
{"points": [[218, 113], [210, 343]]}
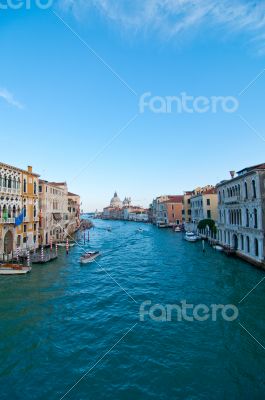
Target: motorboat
{"points": [[89, 257], [177, 229], [191, 237], [14, 269], [218, 248]]}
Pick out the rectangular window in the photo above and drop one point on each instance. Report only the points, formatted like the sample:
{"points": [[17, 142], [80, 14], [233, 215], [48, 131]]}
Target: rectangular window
{"points": [[208, 202], [209, 214], [25, 228]]}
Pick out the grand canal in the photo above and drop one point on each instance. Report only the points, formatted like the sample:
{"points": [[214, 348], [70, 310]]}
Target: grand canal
{"points": [[65, 320]]}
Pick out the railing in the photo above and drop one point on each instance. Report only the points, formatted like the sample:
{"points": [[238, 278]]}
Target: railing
{"points": [[7, 221], [233, 199], [10, 190]]}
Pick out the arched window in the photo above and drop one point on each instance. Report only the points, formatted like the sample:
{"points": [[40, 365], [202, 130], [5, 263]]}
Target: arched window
{"points": [[35, 188], [242, 242], [223, 193], [239, 190], [9, 212], [25, 186], [240, 217], [246, 190], [233, 191], [220, 216], [18, 184], [255, 218], [5, 181], [254, 193], [14, 211], [247, 218], [219, 197], [1, 180], [9, 183], [256, 246], [34, 212], [25, 211], [248, 247]]}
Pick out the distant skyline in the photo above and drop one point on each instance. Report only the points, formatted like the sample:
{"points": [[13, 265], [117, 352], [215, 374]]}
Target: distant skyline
{"points": [[74, 76]]}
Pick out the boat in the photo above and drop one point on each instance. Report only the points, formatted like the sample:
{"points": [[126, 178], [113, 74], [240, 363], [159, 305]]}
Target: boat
{"points": [[14, 269], [191, 237], [63, 244], [38, 259], [139, 230], [109, 229], [89, 257], [218, 248], [177, 229]]}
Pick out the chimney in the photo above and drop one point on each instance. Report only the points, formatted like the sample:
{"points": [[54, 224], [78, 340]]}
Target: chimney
{"points": [[232, 173], [30, 169]]}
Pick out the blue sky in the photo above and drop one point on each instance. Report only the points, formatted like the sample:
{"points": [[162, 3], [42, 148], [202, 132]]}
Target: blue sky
{"points": [[64, 96]]}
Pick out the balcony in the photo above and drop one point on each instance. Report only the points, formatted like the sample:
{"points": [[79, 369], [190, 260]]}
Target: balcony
{"points": [[7, 221], [11, 191], [233, 200]]}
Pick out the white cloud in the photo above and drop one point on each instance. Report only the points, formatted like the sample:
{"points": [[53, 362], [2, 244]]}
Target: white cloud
{"points": [[172, 17], [9, 98]]}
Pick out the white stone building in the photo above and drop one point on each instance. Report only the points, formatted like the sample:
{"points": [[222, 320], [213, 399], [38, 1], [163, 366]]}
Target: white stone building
{"points": [[53, 205], [241, 218]]}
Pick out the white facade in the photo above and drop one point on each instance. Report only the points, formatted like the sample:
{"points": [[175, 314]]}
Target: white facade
{"points": [[241, 213], [53, 204]]}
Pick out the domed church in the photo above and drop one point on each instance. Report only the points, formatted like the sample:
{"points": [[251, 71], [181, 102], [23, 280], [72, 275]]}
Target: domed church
{"points": [[116, 202]]}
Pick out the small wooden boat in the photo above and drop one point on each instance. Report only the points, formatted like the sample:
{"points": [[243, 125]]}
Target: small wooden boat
{"points": [[89, 257], [177, 229], [14, 269], [37, 259]]}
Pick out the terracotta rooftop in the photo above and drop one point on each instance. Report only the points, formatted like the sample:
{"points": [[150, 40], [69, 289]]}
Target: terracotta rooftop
{"points": [[174, 199], [73, 194]]}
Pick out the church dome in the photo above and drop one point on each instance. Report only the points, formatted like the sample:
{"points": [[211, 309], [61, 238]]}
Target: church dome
{"points": [[115, 201]]}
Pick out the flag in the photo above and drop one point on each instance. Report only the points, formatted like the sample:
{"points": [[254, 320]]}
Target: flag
{"points": [[19, 219]]}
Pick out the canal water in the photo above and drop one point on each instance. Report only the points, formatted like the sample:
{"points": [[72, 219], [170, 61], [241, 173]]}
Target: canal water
{"points": [[65, 320]]}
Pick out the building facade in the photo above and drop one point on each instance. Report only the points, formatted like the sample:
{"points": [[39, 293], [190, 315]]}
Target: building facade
{"points": [[241, 213], [74, 205], [204, 205], [167, 210], [18, 194]]}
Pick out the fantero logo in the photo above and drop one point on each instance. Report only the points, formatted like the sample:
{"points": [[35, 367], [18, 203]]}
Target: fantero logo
{"points": [[25, 4]]}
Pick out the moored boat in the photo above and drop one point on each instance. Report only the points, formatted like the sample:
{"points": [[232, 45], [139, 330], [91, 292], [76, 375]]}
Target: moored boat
{"points": [[218, 248], [191, 237], [63, 244], [14, 269], [177, 229], [89, 257]]}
